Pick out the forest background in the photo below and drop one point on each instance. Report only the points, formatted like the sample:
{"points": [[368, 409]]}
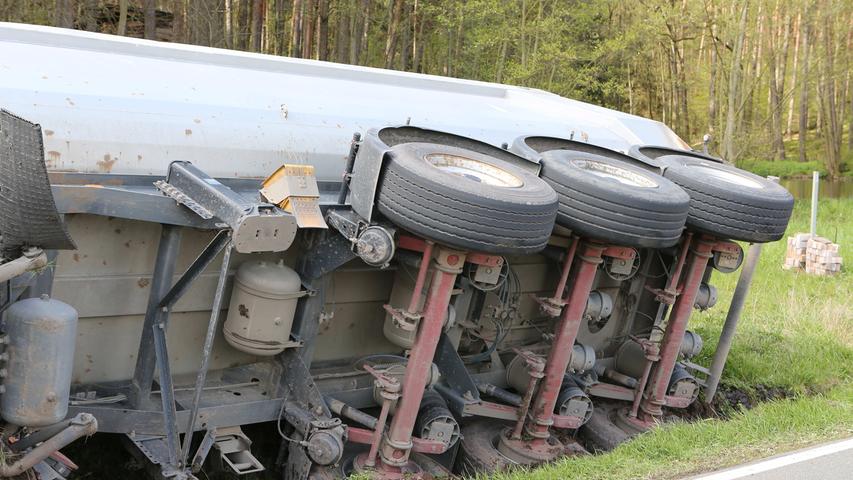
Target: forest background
{"points": [[769, 80]]}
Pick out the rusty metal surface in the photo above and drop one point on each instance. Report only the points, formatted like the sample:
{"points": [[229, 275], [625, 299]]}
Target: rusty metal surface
{"points": [[566, 333], [28, 215], [656, 391]]}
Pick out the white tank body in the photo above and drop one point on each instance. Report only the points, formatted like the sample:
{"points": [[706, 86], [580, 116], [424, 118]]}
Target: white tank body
{"points": [[111, 104]]}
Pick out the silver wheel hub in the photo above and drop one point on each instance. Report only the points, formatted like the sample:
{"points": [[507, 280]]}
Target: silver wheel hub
{"points": [[474, 170], [727, 176], [612, 172]]}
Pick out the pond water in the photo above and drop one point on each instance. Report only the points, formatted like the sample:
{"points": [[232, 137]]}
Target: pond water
{"points": [[801, 188]]}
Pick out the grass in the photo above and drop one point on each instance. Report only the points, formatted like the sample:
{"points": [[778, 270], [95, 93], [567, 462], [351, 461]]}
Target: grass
{"points": [[796, 332]]}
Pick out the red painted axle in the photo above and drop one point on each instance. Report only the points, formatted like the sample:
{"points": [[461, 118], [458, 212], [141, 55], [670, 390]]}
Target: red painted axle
{"points": [[398, 442], [561, 350], [656, 391]]}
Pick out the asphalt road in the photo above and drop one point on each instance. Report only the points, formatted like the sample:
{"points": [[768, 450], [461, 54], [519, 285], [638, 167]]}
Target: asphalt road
{"points": [[823, 462]]}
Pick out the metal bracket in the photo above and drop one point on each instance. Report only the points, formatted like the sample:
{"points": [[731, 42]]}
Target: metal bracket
{"points": [[256, 226], [373, 243], [203, 449]]}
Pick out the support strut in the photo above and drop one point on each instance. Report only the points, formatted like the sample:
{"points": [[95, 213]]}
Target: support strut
{"points": [[397, 443], [561, 350], [655, 397]]}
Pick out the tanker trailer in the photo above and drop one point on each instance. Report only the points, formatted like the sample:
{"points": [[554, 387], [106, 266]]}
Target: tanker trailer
{"points": [[327, 251]]}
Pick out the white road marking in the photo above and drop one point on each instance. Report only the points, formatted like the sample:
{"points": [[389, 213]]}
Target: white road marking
{"points": [[779, 462]]}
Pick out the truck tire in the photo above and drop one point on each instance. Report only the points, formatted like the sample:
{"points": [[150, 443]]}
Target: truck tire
{"points": [[478, 452], [466, 200], [730, 203], [613, 201]]}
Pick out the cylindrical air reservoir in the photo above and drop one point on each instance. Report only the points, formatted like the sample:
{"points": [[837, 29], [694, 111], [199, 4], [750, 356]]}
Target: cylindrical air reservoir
{"points": [[263, 303], [41, 334]]}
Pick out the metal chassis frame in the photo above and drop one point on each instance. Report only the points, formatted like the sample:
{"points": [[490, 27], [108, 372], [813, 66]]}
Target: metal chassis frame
{"points": [[154, 427]]}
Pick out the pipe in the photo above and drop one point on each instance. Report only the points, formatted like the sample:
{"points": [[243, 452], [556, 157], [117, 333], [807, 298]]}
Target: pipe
{"points": [[499, 393], [419, 283], [347, 411], [676, 326], [735, 309], [561, 350], [567, 265], [353, 150], [377, 433], [212, 327], [398, 442], [83, 424], [32, 259]]}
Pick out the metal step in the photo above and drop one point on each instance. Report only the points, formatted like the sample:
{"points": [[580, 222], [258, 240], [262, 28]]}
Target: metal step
{"points": [[234, 448]]}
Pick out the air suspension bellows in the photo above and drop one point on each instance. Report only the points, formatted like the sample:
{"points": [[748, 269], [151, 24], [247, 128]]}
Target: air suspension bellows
{"points": [[573, 402], [435, 421], [682, 384]]}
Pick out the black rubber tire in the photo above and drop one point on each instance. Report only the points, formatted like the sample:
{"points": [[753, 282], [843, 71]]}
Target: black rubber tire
{"points": [[478, 452], [606, 209], [461, 212], [758, 213]]}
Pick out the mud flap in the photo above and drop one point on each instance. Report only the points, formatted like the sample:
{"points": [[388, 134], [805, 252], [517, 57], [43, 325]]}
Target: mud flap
{"points": [[28, 215]]}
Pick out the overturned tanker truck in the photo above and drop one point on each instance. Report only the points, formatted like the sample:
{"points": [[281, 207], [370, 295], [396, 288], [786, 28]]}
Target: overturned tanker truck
{"points": [[407, 275]]}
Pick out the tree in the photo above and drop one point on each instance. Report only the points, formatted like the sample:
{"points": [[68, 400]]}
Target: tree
{"points": [[150, 9], [122, 19], [729, 151]]}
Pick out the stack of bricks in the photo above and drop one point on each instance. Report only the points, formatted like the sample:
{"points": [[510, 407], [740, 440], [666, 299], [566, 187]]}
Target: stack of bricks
{"points": [[817, 255], [822, 257], [795, 258]]}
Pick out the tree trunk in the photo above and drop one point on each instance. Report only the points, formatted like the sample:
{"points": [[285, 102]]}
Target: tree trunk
{"points": [[243, 24], [296, 29], [775, 104], [258, 11], [729, 152], [323, 30], [149, 9], [831, 127], [89, 15], [122, 17], [712, 87], [804, 91], [794, 70], [229, 33], [309, 18], [64, 14], [365, 34], [179, 22], [393, 26], [342, 32]]}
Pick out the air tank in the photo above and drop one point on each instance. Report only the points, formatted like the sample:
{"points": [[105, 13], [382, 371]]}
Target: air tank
{"points": [[263, 303], [40, 335]]}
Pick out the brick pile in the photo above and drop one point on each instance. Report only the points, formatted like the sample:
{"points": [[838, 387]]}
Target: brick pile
{"points": [[816, 255], [822, 257], [795, 257]]}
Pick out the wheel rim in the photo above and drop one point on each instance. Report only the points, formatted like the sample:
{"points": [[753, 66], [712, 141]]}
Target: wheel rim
{"points": [[618, 174], [475, 170], [727, 176]]}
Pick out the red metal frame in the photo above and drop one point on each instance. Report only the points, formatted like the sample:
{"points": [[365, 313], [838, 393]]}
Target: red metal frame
{"points": [[397, 443], [655, 396], [561, 350], [365, 436], [415, 244]]}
